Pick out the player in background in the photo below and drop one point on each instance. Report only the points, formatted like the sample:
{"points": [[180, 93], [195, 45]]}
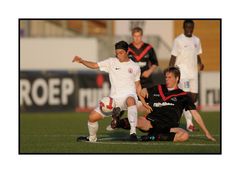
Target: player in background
{"points": [[124, 77], [167, 103], [186, 55], [144, 55]]}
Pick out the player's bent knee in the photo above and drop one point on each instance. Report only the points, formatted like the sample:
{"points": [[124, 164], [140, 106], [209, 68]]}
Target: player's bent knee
{"points": [[94, 116], [181, 135], [143, 124], [131, 101], [184, 136]]}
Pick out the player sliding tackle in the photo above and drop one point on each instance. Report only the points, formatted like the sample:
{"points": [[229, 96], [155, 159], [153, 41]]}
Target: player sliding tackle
{"points": [[167, 102], [124, 77]]}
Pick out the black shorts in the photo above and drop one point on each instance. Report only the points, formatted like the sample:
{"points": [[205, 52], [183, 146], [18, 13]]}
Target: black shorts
{"points": [[157, 125]]}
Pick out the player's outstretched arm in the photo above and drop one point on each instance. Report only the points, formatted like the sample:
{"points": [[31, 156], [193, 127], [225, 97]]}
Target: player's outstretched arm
{"points": [[200, 122], [89, 64]]}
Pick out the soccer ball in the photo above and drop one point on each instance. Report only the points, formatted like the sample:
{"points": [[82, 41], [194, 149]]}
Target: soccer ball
{"points": [[106, 105]]}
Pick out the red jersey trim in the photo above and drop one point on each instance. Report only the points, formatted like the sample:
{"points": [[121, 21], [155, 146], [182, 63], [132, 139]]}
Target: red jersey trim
{"points": [[168, 97], [139, 57]]}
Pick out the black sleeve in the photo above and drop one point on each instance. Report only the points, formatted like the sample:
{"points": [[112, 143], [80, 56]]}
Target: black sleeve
{"points": [[189, 104], [153, 57]]}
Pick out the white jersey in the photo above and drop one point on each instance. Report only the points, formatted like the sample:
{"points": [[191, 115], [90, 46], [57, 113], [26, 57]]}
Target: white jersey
{"points": [[186, 50], [122, 75]]}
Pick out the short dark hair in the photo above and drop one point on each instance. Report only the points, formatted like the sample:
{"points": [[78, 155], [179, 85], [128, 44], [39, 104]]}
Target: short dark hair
{"points": [[137, 29], [122, 45], [188, 21], [174, 70]]}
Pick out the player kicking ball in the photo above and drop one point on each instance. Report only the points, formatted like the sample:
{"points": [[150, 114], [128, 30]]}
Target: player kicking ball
{"points": [[124, 77], [167, 103]]}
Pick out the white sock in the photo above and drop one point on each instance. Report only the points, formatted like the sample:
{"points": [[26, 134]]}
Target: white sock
{"points": [[92, 128], [188, 117], [132, 118]]}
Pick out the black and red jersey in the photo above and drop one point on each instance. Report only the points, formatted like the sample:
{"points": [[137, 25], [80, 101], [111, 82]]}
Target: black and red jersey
{"points": [[145, 56], [168, 105]]}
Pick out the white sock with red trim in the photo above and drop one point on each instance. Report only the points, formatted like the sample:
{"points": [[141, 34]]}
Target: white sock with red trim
{"points": [[92, 128], [132, 118]]}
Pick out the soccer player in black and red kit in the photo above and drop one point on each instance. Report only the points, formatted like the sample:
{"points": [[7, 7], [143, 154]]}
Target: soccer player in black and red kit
{"points": [[144, 55], [167, 103]]}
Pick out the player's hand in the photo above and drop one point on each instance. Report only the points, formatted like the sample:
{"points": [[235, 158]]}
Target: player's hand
{"points": [[200, 67], [77, 59], [144, 93], [147, 107], [209, 136], [146, 74]]}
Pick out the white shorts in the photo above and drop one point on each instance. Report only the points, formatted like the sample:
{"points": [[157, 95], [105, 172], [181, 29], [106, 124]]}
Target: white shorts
{"points": [[189, 85], [120, 102]]}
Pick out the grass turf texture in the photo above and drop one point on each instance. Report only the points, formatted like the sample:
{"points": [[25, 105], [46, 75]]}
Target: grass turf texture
{"points": [[57, 133]]}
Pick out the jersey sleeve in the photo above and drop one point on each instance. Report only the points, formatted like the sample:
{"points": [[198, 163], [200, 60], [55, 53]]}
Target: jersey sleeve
{"points": [[105, 65], [137, 74], [189, 104], [176, 50], [153, 57]]}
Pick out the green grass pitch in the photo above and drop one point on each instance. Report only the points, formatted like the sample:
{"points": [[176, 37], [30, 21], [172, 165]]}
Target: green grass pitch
{"points": [[57, 133]]}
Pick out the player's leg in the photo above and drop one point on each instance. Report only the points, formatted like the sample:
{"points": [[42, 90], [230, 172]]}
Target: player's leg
{"points": [[93, 119], [181, 135], [173, 134], [156, 130], [189, 122], [190, 127], [193, 92], [156, 133], [143, 124], [166, 134], [128, 103], [117, 113], [159, 132], [185, 85], [132, 116], [114, 125], [122, 123]]}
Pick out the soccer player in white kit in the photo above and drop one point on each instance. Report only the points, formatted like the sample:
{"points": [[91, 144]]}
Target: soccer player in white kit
{"points": [[186, 55], [124, 75]]}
